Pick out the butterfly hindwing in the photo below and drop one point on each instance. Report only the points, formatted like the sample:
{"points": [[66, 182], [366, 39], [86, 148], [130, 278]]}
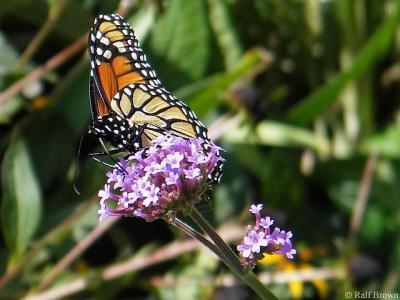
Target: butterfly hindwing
{"points": [[155, 107]]}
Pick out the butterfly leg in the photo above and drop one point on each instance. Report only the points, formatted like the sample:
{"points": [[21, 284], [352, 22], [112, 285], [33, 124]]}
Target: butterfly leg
{"points": [[109, 153]]}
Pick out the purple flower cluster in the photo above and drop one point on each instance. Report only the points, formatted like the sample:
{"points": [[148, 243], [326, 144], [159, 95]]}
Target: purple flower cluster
{"points": [[261, 239], [168, 176]]}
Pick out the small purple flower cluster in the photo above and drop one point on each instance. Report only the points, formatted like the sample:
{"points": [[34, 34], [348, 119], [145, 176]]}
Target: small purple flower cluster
{"points": [[168, 176], [261, 239]]}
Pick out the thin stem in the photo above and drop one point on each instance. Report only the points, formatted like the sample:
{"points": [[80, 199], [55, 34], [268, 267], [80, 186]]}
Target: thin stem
{"points": [[40, 36], [233, 262], [362, 195], [51, 64], [199, 237], [358, 213], [193, 233], [76, 251], [210, 231], [257, 286]]}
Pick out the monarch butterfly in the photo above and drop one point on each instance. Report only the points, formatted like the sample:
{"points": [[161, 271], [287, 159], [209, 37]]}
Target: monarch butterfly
{"points": [[129, 105]]}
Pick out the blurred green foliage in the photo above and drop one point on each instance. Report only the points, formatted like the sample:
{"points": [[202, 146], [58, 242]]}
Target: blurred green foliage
{"points": [[303, 95]]}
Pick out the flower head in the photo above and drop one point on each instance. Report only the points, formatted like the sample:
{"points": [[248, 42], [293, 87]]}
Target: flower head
{"points": [[169, 175], [261, 239]]}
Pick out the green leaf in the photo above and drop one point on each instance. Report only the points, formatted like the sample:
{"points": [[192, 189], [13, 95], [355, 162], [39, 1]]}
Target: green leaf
{"points": [[9, 108], [180, 42], [34, 12], [225, 32], [373, 226], [376, 47], [71, 97], [278, 134], [252, 158], [21, 203], [344, 194], [8, 57], [385, 144], [73, 10], [143, 20], [201, 96]]}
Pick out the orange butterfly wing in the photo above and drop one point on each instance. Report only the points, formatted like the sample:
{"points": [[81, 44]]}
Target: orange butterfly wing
{"points": [[116, 60]]}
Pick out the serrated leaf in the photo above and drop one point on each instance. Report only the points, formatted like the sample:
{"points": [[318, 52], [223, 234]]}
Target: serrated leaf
{"points": [[21, 203]]}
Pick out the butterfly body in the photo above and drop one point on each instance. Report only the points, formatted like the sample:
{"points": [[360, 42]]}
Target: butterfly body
{"points": [[129, 105], [120, 132]]}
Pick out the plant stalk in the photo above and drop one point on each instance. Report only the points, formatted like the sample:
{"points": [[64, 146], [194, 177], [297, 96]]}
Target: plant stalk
{"points": [[230, 258]]}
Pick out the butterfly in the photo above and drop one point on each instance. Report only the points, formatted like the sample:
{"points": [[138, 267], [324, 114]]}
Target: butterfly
{"points": [[129, 105]]}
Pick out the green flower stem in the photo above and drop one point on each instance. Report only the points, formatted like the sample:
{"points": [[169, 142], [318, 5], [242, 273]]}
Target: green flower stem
{"points": [[218, 241], [195, 235], [230, 258], [257, 286]]}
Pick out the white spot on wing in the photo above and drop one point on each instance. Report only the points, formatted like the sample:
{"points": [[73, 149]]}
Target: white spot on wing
{"points": [[128, 92], [107, 54], [119, 44], [105, 41]]}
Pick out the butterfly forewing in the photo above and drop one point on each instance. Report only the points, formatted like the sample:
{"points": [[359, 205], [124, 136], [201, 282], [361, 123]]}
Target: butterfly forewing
{"points": [[116, 60]]}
